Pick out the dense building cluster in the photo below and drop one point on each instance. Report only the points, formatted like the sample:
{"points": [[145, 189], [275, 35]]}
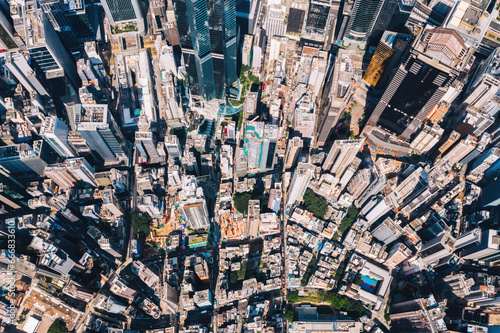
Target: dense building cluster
{"points": [[230, 166]]}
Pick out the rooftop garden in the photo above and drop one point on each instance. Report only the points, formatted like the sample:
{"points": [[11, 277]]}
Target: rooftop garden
{"points": [[122, 29]]}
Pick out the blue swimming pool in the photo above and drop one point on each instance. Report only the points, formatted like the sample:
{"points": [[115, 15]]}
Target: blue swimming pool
{"points": [[369, 284]]}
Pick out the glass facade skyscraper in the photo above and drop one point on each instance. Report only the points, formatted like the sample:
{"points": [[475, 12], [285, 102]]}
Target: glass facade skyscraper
{"points": [[420, 82], [207, 30], [123, 11], [364, 16]]}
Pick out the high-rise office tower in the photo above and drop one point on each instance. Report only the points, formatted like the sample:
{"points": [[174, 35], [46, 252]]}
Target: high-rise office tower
{"points": [[438, 248], [193, 204], [111, 203], [293, 152], [18, 65], [268, 151], [82, 170], [55, 132], [173, 148], [320, 23], [247, 12], [124, 13], [397, 254], [145, 144], [42, 41], [490, 196], [300, 181], [483, 163], [337, 93], [420, 82], [426, 139], [84, 18], [387, 231], [190, 164], [275, 20], [38, 157], [363, 18], [371, 191], [13, 195], [454, 137], [359, 182], [61, 176], [100, 131], [207, 31], [492, 172], [22, 158], [386, 57], [53, 9], [485, 83], [72, 172], [487, 251], [341, 155], [457, 153]]}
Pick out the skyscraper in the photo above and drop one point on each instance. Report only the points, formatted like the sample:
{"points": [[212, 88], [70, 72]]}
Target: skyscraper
{"points": [[42, 41], [341, 155], [440, 247], [488, 250], [363, 18], [22, 158], [457, 153], [483, 163], [337, 93], [359, 182], [300, 181], [124, 12], [53, 9], [293, 151], [420, 82], [207, 31], [100, 131], [55, 132], [173, 148], [386, 56], [72, 172], [193, 204]]}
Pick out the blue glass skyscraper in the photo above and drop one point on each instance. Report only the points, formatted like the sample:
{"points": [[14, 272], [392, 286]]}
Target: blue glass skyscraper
{"points": [[207, 31]]}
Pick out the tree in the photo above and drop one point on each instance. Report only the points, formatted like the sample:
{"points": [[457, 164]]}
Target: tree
{"points": [[357, 279], [348, 220], [243, 79], [241, 201], [307, 274], [344, 303], [204, 126], [315, 204], [58, 326], [180, 132], [340, 270], [241, 272], [289, 313], [292, 297], [140, 223], [253, 79], [244, 69], [233, 277]]}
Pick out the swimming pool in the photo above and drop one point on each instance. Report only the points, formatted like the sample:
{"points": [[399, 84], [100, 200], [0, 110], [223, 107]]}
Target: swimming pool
{"points": [[369, 284]]}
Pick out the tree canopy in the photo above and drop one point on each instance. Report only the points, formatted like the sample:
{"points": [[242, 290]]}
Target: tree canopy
{"points": [[241, 201], [348, 220], [140, 223], [315, 203], [58, 326]]}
